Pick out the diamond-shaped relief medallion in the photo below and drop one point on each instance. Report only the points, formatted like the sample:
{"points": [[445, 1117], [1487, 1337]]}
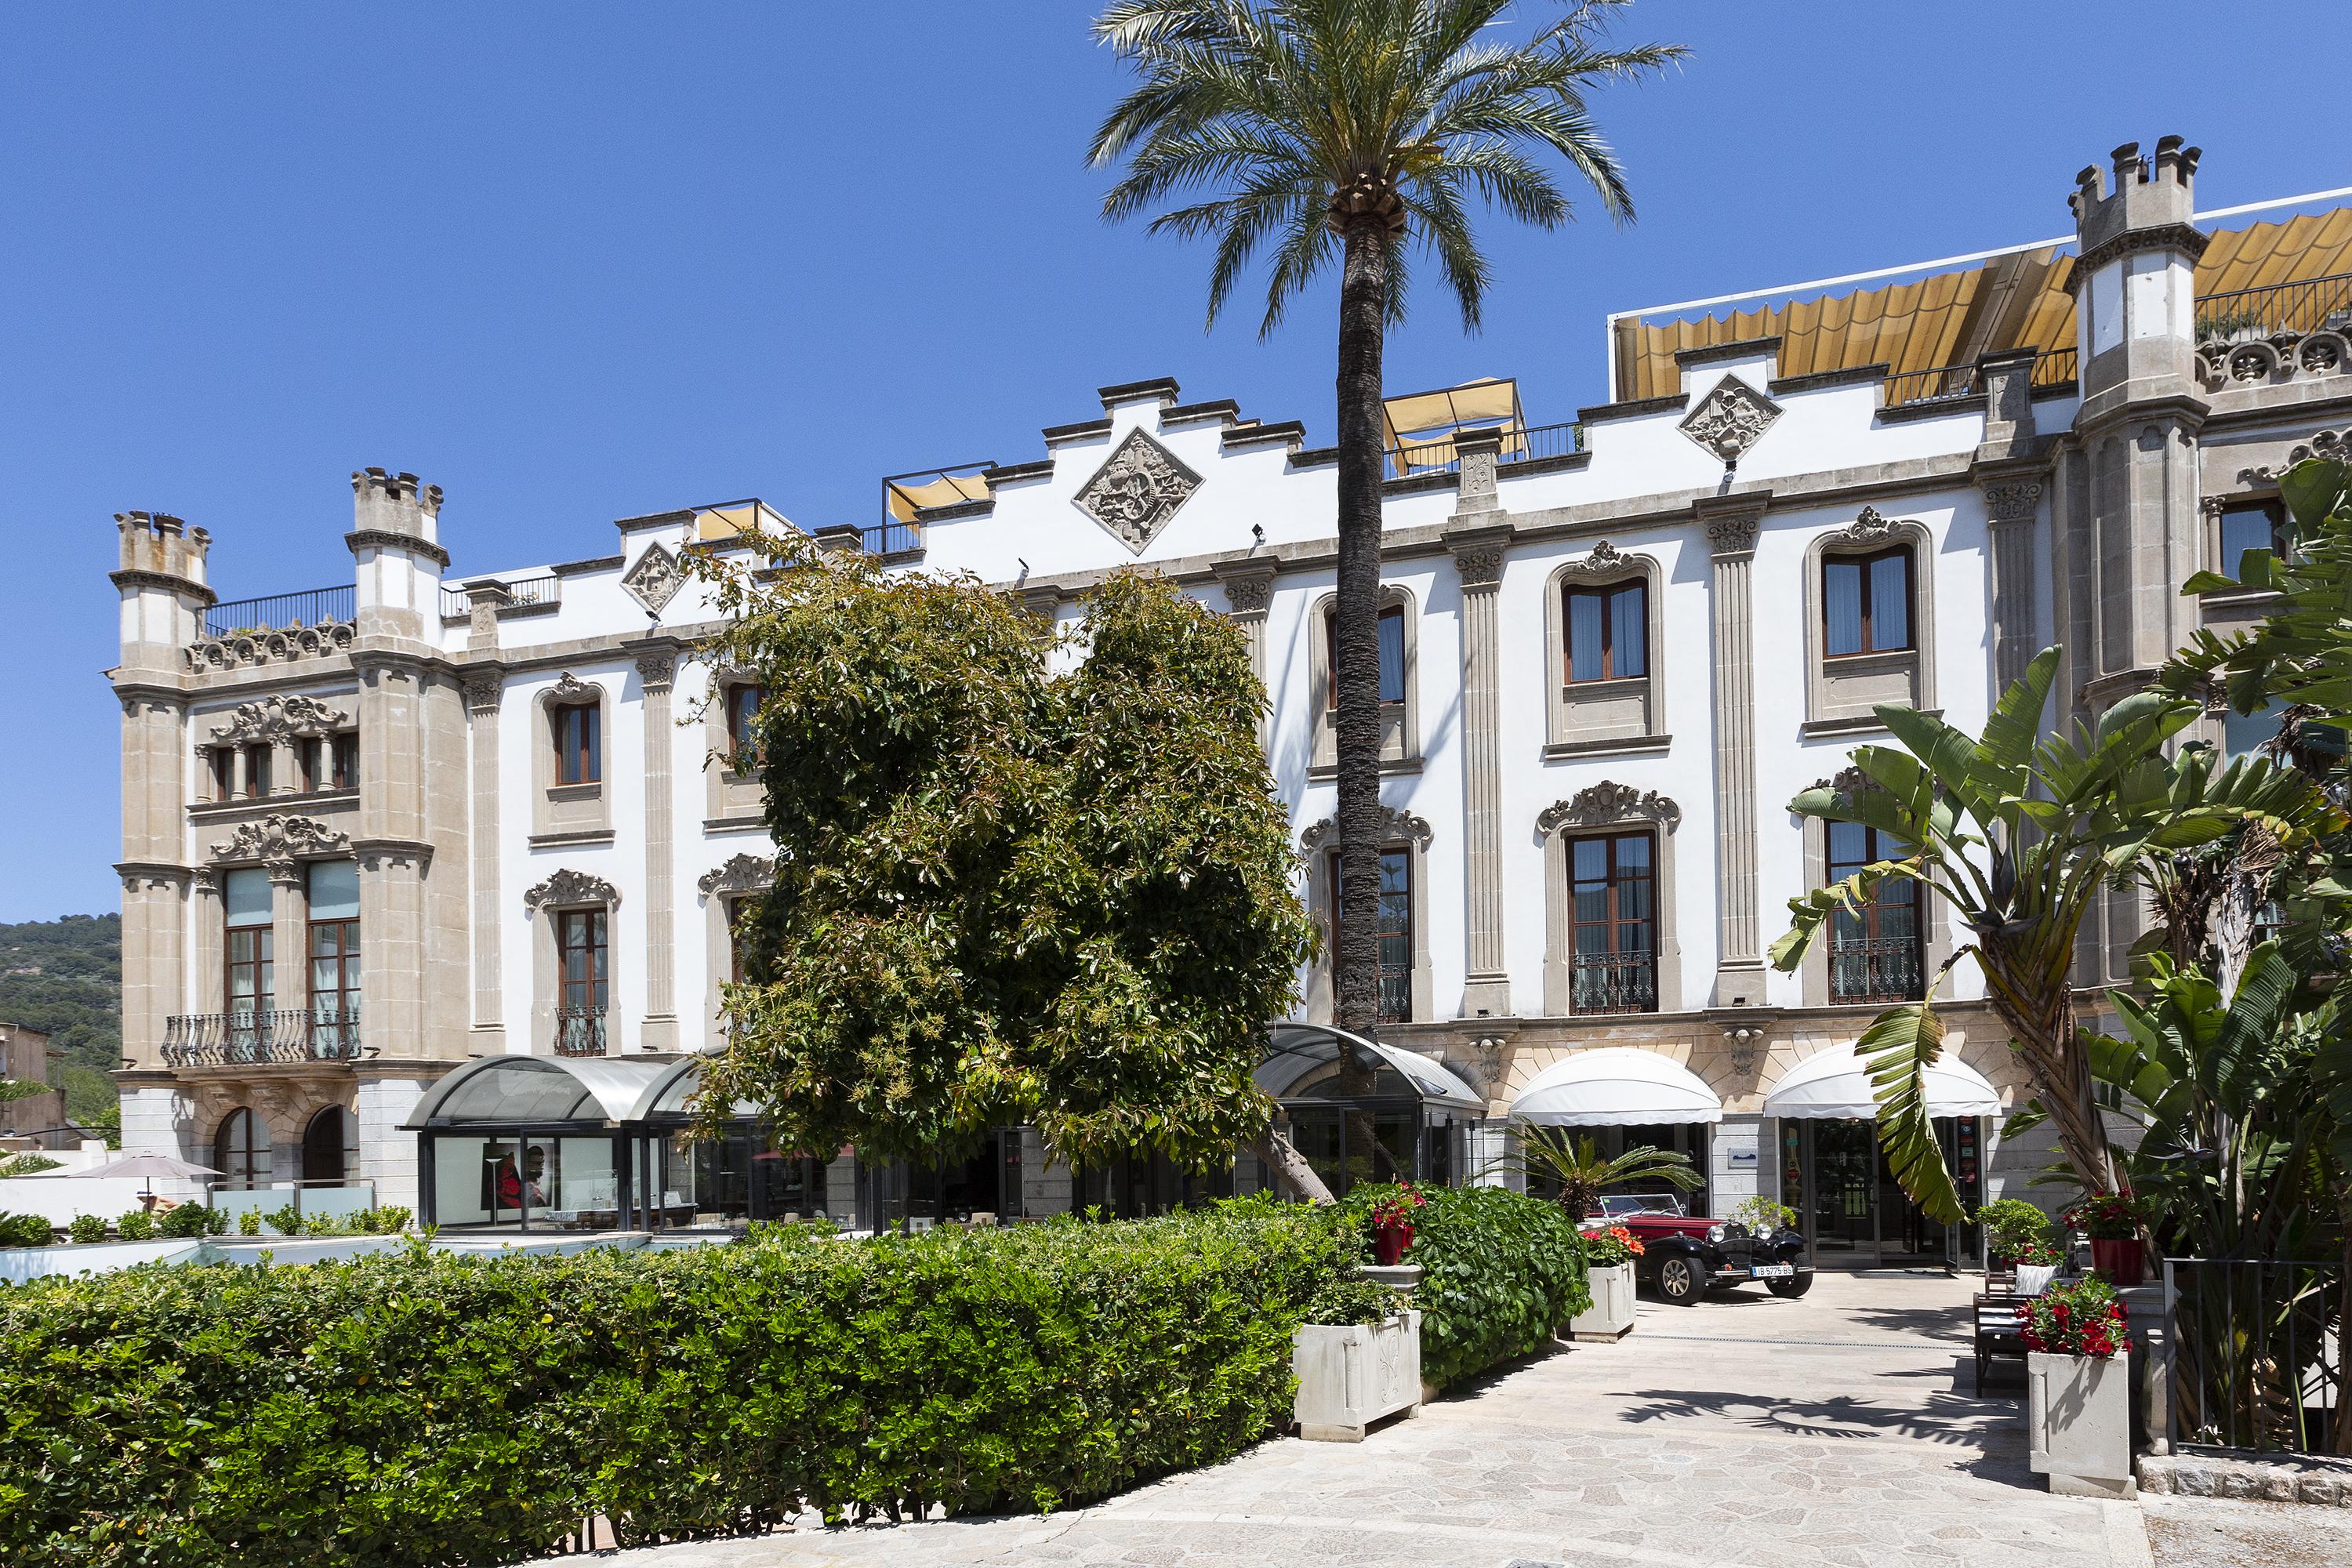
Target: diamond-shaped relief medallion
{"points": [[655, 579], [1730, 419], [1137, 489]]}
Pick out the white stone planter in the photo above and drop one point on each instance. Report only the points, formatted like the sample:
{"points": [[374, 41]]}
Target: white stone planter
{"points": [[1612, 1313], [2080, 1412], [1350, 1375]]}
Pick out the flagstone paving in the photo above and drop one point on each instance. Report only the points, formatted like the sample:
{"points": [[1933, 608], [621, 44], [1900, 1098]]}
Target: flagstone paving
{"points": [[1838, 1431]]}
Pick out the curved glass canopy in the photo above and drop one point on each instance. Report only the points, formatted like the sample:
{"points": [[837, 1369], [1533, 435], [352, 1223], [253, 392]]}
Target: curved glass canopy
{"points": [[506, 1089], [1316, 1062]]}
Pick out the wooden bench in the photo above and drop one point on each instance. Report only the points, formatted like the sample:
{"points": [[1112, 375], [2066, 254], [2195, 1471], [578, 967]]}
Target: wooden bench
{"points": [[2000, 1330]]}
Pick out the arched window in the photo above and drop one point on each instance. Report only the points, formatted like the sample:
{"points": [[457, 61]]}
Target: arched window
{"points": [[327, 1145], [241, 1149]]}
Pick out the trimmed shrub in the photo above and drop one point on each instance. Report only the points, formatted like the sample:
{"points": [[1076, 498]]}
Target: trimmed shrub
{"points": [[191, 1220], [136, 1225], [1500, 1271], [427, 1409], [86, 1228], [24, 1230]]}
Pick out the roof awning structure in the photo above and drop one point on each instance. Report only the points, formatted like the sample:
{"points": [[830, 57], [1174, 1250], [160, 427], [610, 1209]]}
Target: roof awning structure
{"points": [[1419, 427], [1834, 1085], [1315, 1062], [729, 519], [1617, 1086], [904, 495], [508, 1090]]}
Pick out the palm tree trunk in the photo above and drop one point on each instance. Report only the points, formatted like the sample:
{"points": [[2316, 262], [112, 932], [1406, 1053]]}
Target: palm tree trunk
{"points": [[2041, 1030], [1289, 1167], [1356, 653]]}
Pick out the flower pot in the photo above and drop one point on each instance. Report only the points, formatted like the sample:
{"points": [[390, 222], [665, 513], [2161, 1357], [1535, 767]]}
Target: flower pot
{"points": [[2119, 1258], [1389, 1242], [1611, 1316], [2079, 1408], [1350, 1375]]}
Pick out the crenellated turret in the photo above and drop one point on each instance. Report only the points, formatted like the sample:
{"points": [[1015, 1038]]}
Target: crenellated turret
{"points": [[161, 578], [395, 540], [2134, 280]]}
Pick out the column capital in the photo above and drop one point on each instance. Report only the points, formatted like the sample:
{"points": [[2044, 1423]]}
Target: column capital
{"points": [[1478, 552], [482, 687], [1732, 521], [1249, 586]]}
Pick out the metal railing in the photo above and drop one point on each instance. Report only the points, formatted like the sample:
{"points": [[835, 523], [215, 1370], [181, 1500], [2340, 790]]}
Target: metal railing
{"points": [[1613, 983], [2052, 367], [580, 1031], [2257, 1354], [261, 1035], [1441, 455], [545, 589], [2290, 310], [278, 612], [890, 538], [1884, 968]]}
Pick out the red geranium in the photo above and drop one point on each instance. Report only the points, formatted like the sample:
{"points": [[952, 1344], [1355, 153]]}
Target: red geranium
{"points": [[2083, 1317]]}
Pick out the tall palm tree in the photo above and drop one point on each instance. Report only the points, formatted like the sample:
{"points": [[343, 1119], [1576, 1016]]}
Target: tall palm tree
{"points": [[1354, 128]]}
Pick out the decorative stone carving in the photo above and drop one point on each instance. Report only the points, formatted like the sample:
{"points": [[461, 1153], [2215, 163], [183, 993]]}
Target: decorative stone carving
{"points": [[1480, 565], [2335, 445], [277, 719], [482, 693], [657, 671], [656, 579], [569, 685], [1249, 596], [1732, 534], [1396, 827], [263, 647], [2281, 356], [1137, 489], [571, 888], [2012, 500], [1730, 419], [1849, 780], [1870, 528], [745, 873], [1605, 804], [1605, 561], [276, 837]]}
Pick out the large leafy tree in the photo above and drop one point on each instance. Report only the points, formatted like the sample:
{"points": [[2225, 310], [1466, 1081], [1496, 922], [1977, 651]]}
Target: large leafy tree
{"points": [[1004, 895], [2019, 834], [1350, 132]]}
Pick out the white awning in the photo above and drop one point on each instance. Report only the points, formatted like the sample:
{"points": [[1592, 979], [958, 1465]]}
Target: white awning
{"points": [[1618, 1086], [1834, 1085]]}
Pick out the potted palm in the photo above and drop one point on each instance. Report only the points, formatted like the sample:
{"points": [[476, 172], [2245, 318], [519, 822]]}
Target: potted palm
{"points": [[2078, 1374], [1609, 1266], [1582, 1172]]}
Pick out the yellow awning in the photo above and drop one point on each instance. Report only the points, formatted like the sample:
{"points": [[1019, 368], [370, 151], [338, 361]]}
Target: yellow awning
{"points": [[1486, 401], [907, 495], [738, 517]]}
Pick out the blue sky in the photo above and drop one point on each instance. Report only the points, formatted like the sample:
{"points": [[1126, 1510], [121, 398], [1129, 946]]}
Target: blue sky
{"points": [[574, 263]]}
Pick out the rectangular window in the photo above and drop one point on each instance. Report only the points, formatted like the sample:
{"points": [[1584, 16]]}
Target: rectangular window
{"points": [[1395, 931], [742, 720], [1866, 602], [579, 744], [346, 761], [1613, 914], [2245, 528], [1875, 955], [585, 968], [224, 760], [257, 769], [252, 979], [306, 763], [334, 959], [1608, 632], [1391, 629]]}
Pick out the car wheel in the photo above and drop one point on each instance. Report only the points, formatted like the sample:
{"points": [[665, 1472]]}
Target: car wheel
{"points": [[1790, 1287], [1682, 1281]]}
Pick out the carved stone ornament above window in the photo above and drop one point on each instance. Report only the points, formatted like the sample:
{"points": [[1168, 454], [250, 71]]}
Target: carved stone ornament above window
{"points": [[2334, 445], [1606, 804], [1396, 827], [1605, 561], [276, 837], [2012, 500], [1851, 781], [277, 719], [1138, 490], [1730, 419], [656, 579], [570, 685], [1871, 528], [744, 874], [569, 888]]}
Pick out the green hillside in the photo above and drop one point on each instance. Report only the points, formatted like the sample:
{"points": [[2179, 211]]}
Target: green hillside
{"points": [[63, 977]]}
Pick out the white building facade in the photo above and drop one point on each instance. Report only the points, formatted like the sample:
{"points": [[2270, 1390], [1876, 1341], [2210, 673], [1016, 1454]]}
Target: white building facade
{"points": [[1619, 647]]}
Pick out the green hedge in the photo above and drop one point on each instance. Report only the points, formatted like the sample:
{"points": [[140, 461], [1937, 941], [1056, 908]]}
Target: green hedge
{"points": [[1500, 1272], [419, 1408]]}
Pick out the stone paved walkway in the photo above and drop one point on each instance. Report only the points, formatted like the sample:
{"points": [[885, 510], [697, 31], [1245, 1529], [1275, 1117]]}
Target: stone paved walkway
{"points": [[1837, 1430]]}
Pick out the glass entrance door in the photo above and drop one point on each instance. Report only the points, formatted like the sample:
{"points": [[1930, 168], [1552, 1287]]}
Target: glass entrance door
{"points": [[1843, 1168]]}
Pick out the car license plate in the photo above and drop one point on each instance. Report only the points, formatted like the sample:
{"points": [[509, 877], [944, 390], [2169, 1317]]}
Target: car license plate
{"points": [[1773, 1271]]}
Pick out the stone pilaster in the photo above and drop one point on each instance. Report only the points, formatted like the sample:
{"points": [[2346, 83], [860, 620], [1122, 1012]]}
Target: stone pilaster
{"points": [[1249, 592], [481, 687], [1478, 555], [289, 941], [483, 603], [1732, 523], [154, 956], [206, 912], [2010, 503], [659, 1032]]}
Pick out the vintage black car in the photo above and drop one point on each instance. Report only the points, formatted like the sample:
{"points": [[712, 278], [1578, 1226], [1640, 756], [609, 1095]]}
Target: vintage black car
{"points": [[1684, 1256]]}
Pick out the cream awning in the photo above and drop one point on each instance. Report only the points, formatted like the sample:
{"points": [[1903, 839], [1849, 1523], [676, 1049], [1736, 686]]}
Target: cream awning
{"points": [[1834, 1085], [1617, 1086], [910, 494]]}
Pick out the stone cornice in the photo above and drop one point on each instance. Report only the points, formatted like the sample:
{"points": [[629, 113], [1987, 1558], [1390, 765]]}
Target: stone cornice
{"points": [[2131, 242], [381, 539], [165, 581]]}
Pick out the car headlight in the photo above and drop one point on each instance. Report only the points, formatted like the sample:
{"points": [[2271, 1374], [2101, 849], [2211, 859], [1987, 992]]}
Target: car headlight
{"points": [[1718, 1232]]}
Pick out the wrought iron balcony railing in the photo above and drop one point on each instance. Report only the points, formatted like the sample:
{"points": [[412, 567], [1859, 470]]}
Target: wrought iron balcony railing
{"points": [[580, 1031], [1530, 445], [1886, 969], [276, 612], [1613, 983], [261, 1037]]}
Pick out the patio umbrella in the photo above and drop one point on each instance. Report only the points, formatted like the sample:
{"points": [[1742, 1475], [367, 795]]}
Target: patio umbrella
{"points": [[150, 1165]]}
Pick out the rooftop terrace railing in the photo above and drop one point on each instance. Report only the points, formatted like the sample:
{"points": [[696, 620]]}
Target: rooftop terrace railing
{"points": [[2052, 368], [545, 591], [276, 612], [2292, 309], [1441, 455]]}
